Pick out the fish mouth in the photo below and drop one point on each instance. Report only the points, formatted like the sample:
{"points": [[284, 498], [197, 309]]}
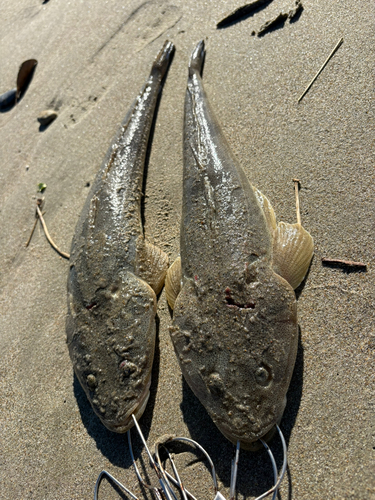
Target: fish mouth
{"points": [[258, 445], [137, 410], [253, 443]]}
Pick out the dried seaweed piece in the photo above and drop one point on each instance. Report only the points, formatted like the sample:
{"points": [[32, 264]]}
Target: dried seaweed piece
{"points": [[273, 24], [245, 10], [294, 14], [344, 264], [25, 75]]}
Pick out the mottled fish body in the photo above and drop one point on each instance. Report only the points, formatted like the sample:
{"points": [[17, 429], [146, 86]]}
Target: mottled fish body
{"points": [[234, 319], [115, 274]]}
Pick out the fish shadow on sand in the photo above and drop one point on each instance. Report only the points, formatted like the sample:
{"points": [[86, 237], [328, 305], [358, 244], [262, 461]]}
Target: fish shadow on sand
{"points": [[255, 471], [112, 445]]}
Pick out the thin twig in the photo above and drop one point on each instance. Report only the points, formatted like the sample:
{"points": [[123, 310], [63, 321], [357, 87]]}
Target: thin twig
{"points": [[51, 242], [321, 69], [347, 263]]}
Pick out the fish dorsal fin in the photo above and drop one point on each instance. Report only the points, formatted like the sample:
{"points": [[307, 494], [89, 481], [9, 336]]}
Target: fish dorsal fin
{"points": [[267, 209]]}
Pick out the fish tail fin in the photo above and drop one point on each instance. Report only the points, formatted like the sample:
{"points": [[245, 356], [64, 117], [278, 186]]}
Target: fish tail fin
{"points": [[197, 59], [163, 59]]}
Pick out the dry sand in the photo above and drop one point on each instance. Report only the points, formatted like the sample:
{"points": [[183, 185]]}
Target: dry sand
{"points": [[93, 59]]}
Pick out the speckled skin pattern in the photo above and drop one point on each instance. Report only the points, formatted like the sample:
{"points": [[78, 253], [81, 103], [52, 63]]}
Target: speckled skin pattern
{"points": [[115, 274], [235, 322]]}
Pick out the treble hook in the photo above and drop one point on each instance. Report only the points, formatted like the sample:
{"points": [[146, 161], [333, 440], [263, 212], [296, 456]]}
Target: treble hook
{"points": [[165, 490]]}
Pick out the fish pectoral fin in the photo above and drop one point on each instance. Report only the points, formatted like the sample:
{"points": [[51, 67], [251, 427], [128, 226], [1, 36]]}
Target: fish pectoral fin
{"points": [[152, 265], [293, 248], [267, 210], [173, 282]]}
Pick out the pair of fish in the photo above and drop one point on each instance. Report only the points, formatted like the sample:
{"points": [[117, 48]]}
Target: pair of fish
{"points": [[231, 290]]}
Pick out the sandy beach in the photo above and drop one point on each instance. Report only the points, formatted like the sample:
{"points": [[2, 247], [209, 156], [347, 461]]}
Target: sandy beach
{"points": [[93, 58]]}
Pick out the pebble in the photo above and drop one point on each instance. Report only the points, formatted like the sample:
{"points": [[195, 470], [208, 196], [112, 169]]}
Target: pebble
{"points": [[46, 117]]}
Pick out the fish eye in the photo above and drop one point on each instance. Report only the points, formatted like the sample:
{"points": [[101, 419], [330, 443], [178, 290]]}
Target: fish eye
{"points": [[263, 375]]}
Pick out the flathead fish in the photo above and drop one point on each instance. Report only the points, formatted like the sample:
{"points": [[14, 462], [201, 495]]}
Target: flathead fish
{"points": [[115, 274], [234, 308]]}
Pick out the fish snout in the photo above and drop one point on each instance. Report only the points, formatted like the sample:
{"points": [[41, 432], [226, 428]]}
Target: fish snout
{"points": [[116, 414]]}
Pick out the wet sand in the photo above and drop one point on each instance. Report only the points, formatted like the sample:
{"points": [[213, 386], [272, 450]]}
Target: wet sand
{"points": [[93, 59]]}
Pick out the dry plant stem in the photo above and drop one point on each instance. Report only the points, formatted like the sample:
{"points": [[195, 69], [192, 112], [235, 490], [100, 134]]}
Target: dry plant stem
{"points": [[33, 229], [296, 190], [321, 69], [349, 263], [51, 242]]}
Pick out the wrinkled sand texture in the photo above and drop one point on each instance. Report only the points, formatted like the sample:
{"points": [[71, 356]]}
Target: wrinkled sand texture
{"points": [[93, 59]]}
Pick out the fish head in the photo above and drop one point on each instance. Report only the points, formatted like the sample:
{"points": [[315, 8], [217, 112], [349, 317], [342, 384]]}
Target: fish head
{"points": [[236, 342], [111, 340]]}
